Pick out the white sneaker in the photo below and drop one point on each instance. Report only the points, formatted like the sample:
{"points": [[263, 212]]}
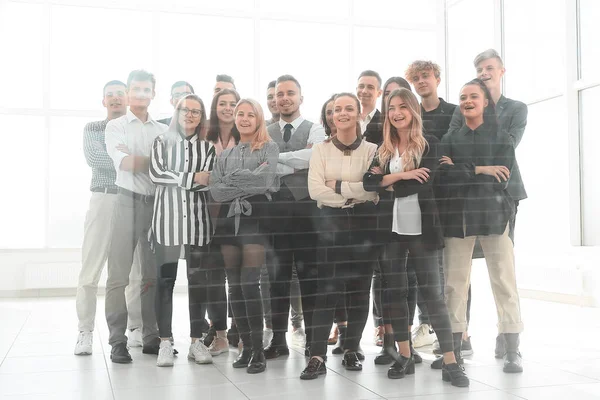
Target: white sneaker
{"points": [[199, 353], [218, 346], [299, 338], [134, 339], [165, 354], [267, 336], [423, 336], [84, 344]]}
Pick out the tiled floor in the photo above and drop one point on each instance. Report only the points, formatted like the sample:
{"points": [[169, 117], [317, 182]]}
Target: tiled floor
{"points": [[560, 347]]}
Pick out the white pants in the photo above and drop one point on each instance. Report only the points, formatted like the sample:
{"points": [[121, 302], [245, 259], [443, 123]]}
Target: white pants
{"points": [[94, 252], [499, 257]]}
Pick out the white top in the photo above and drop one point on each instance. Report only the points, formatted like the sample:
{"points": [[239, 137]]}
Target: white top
{"points": [[138, 137], [367, 120], [299, 159], [407, 211]]}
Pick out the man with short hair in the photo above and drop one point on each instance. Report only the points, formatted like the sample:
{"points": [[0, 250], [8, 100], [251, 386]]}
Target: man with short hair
{"points": [[129, 142], [436, 113], [512, 120], [96, 231], [368, 91], [223, 82], [294, 239], [272, 103], [178, 90]]}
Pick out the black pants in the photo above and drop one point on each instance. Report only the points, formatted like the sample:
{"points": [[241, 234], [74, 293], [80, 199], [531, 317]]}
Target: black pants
{"points": [[377, 301], [346, 257], [217, 293], [421, 303], [395, 282], [294, 243], [167, 258]]}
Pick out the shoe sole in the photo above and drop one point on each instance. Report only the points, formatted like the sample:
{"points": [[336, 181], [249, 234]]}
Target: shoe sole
{"points": [[512, 370], [119, 360], [164, 365], [446, 378], [256, 371], [83, 353], [192, 358], [219, 352], [311, 377]]}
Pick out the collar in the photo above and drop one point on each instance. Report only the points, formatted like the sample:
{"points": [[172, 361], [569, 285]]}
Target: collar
{"points": [[440, 108], [131, 117], [295, 123], [465, 130], [346, 149], [370, 116], [181, 137], [502, 101]]}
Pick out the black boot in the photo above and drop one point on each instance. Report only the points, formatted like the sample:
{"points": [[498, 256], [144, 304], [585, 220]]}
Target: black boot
{"points": [[457, 339], [243, 359], [258, 362], [402, 367], [388, 351], [278, 346], [455, 374], [513, 363], [339, 347]]}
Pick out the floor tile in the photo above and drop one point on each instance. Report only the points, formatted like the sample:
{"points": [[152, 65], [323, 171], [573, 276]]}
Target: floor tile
{"points": [[182, 374], [578, 392], [55, 382], [22, 365], [224, 391]]}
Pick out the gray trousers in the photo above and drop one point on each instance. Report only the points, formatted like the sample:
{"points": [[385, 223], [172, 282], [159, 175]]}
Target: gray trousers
{"points": [[130, 224]]}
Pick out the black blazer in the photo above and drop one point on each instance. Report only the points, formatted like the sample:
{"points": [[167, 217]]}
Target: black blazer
{"points": [[374, 131], [430, 220]]}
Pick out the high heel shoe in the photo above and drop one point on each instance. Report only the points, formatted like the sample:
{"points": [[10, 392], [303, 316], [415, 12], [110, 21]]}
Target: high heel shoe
{"points": [[455, 374], [402, 367]]}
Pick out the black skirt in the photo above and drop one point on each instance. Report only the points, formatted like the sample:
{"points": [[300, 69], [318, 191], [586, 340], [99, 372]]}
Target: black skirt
{"points": [[253, 228]]}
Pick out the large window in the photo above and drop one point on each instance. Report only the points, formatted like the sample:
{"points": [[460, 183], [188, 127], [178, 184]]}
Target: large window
{"points": [[55, 65], [589, 32], [590, 169]]}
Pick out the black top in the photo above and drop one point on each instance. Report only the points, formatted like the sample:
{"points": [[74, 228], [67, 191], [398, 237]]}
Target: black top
{"points": [[479, 202], [431, 226], [374, 131], [437, 121]]}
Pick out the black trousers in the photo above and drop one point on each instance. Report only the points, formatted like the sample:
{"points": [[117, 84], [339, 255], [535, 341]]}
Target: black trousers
{"points": [[217, 293], [424, 263], [167, 258], [346, 256], [294, 243], [378, 310], [412, 285]]}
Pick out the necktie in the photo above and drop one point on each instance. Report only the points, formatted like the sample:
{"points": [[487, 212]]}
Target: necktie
{"points": [[287, 132]]}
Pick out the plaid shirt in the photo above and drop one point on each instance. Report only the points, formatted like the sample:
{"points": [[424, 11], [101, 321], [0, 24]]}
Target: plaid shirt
{"points": [[94, 149]]}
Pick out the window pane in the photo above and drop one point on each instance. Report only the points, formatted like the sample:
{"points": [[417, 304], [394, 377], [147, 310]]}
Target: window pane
{"points": [[535, 48], [69, 182], [590, 170], [470, 31], [314, 63], [199, 48], [310, 8], [408, 11], [589, 32], [408, 45], [203, 5], [102, 54], [22, 204], [544, 200], [21, 69]]}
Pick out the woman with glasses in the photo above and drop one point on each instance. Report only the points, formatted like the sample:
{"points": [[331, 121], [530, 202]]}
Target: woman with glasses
{"points": [[180, 166], [243, 180]]}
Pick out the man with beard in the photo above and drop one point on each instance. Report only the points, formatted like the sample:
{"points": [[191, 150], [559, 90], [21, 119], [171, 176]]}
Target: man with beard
{"points": [[294, 238]]}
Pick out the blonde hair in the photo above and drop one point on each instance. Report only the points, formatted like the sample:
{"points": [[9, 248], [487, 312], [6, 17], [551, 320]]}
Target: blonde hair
{"points": [[260, 136], [391, 139], [419, 66]]}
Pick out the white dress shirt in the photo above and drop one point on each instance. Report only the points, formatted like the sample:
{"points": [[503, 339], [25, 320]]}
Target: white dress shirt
{"points": [[367, 120], [407, 211], [299, 159], [138, 136]]}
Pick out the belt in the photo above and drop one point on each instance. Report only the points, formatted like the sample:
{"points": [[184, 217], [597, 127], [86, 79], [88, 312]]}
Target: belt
{"points": [[136, 196], [105, 190]]}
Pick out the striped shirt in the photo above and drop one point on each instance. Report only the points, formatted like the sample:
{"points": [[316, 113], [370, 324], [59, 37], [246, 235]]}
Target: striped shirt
{"points": [[180, 207], [94, 149]]}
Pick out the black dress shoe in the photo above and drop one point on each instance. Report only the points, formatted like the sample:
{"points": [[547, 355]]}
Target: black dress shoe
{"points": [[258, 362], [243, 358], [455, 374], [314, 368], [415, 355], [351, 361], [119, 354], [210, 336], [500, 346], [402, 367], [360, 353], [274, 351], [513, 363]]}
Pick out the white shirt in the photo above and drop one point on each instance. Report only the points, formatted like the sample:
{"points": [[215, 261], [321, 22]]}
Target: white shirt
{"points": [[299, 159], [407, 211], [138, 136], [367, 120]]}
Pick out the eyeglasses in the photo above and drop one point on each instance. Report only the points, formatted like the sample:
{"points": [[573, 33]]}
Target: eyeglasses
{"points": [[195, 112]]}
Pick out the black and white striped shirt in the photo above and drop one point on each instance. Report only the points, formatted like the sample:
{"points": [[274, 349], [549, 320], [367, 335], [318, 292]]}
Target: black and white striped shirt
{"points": [[180, 208]]}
